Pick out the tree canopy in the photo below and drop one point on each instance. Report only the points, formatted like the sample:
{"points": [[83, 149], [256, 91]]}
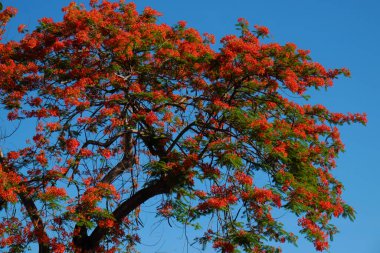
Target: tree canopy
{"points": [[129, 109]]}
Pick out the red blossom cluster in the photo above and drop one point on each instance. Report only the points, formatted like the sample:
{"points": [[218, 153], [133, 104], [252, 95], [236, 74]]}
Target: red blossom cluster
{"points": [[52, 192], [224, 246], [72, 146]]}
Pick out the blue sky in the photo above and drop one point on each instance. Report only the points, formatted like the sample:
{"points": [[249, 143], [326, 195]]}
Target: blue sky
{"points": [[339, 34]]}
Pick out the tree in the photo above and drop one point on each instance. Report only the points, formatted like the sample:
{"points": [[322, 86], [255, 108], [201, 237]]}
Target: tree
{"points": [[129, 109]]}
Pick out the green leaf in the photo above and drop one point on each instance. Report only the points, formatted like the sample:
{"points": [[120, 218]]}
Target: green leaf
{"points": [[232, 160]]}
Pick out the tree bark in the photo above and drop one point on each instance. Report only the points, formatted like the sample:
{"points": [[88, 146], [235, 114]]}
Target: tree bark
{"points": [[42, 237], [31, 208], [89, 244]]}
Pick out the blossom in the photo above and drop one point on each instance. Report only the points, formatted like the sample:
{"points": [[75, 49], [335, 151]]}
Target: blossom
{"points": [[21, 28], [58, 248], [221, 104], [200, 194], [182, 23], [226, 247], [262, 30], [321, 245], [13, 155], [41, 158], [106, 153], [52, 192], [72, 146], [108, 223], [151, 118], [31, 43], [242, 21], [85, 152], [53, 126], [151, 12], [243, 178], [166, 210]]}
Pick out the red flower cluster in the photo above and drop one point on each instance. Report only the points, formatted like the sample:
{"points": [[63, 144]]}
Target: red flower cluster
{"points": [[106, 153], [262, 30], [72, 146], [151, 118], [243, 178], [52, 192], [224, 246]]}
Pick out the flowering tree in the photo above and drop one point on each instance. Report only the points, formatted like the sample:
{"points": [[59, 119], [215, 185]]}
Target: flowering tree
{"points": [[129, 110]]}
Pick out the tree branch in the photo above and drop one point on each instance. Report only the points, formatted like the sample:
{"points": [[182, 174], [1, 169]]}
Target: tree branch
{"points": [[125, 163], [188, 127], [80, 238], [105, 144], [31, 208], [90, 243], [43, 239], [131, 204]]}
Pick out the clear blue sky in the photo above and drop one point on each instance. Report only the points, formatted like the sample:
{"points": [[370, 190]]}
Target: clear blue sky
{"points": [[339, 34]]}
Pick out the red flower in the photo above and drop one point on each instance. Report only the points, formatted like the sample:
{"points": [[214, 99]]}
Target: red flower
{"points": [[262, 30], [85, 152], [41, 159], [321, 245], [151, 118], [243, 21], [221, 104], [106, 153], [31, 43], [53, 126], [72, 146], [13, 155], [182, 23], [108, 223], [13, 115], [21, 28], [226, 247], [55, 191], [243, 178]]}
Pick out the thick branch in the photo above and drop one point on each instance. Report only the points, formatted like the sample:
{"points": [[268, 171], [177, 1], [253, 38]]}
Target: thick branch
{"points": [[89, 243], [43, 239], [81, 237], [124, 164], [92, 242], [31, 208]]}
